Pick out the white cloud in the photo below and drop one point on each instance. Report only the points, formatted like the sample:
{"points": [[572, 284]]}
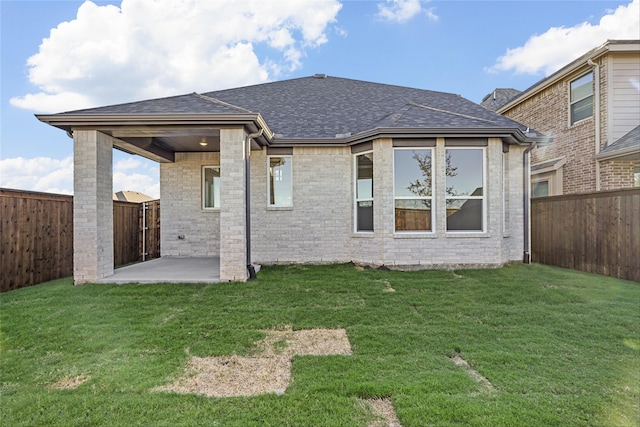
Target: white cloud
{"points": [[56, 175], [153, 48], [558, 46], [38, 174], [403, 10]]}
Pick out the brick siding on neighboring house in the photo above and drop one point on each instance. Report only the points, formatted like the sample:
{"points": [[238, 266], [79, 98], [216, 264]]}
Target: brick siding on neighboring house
{"points": [[545, 108], [548, 112], [617, 174]]}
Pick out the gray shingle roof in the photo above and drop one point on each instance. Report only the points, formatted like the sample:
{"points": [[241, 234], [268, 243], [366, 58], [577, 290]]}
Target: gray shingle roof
{"points": [[629, 140], [323, 107], [498, 98]]}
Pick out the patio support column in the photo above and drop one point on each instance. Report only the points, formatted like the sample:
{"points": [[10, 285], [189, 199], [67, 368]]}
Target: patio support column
{"points": [[233, 232], [92, 206]]}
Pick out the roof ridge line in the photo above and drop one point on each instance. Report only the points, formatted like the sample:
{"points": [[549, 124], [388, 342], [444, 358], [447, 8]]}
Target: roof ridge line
{"points": [[217, 101], [453, 113]]}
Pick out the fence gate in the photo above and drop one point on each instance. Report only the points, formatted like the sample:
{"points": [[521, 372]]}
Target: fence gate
{"points": [[149, 230]]}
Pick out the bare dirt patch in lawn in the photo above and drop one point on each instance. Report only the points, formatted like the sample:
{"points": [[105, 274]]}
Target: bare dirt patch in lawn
{"points": [[384, 411], [268, 371], [459, 361], [66, 383]]}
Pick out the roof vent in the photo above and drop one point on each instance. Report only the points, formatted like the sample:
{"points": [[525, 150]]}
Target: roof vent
{"points": [[343, 135], [319, 76]]}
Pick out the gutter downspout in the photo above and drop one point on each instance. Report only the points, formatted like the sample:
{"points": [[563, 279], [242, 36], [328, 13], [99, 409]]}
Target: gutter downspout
{"points": [[247, 175], [526, 162], [596, 107]]}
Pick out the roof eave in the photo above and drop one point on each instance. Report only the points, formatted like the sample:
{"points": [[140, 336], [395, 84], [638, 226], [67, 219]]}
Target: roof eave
{"points": [[623, 152], [508, 135], [68, 122]]}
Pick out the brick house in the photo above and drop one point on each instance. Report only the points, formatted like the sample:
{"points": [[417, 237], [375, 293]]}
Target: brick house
{"points": [[591, 110], [311, 170]]}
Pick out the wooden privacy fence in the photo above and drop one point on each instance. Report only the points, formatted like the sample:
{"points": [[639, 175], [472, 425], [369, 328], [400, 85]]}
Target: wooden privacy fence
{"points": [[596, 232], [36, 236], [136, 237]]}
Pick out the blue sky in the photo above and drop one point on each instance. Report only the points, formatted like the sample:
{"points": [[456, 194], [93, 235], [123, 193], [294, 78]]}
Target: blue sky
{"points": [[85, 54]]}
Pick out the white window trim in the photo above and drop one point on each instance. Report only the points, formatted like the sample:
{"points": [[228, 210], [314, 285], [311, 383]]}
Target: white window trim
{"points": [[430, 198], [202, 192], [355, 194], [278, 206], [571, 102], [483, 197]]}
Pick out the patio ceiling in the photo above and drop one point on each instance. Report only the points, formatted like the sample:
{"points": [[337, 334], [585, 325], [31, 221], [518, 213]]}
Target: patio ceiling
{"points": [[165, 142], [159, 137]]}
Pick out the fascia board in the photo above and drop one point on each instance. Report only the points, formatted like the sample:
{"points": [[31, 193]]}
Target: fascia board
{"points": [[511, 136], [67, 122], [618, 153]]}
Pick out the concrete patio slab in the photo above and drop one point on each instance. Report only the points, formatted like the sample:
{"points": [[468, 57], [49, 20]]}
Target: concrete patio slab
{"points": [[168, 270]]}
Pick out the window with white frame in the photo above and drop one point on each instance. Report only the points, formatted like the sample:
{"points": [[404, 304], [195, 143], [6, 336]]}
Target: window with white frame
{"points": [[581, 98], [413, 189], [279, 184], [364, 192], [465, 195], [210, 187]]}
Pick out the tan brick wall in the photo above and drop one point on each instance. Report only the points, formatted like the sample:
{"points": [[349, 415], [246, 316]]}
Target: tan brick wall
{"points": [[547, 112], [617, 174]]}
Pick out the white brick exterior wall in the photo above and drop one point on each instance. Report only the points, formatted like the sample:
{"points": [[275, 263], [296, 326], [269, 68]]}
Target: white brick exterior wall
{"points": [[233, 254], [319, 226], [181, 213], [92, 206]]}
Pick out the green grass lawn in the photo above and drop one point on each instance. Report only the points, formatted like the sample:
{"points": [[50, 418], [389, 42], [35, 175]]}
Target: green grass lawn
{"points": [[561, 348]]}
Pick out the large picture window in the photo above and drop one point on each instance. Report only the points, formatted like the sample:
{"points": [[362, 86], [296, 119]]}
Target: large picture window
{"points": [[413, 189], [210, 187], [465, 189], [280, 182], [364, 192], [581, 98]]}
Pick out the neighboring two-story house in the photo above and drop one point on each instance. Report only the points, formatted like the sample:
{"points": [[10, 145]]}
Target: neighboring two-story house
{"points": [[591, 110]]}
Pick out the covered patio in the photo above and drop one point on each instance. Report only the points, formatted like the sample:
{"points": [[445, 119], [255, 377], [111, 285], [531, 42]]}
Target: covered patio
{"points": [[168, 270]]}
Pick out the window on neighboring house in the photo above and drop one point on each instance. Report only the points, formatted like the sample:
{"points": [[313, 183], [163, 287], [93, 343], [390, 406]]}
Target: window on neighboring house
{"points": [[413, 189], [636, 176], [364, 192], [465, 189], [581, 97], [210, 187], [280, 182], [540, 189]]}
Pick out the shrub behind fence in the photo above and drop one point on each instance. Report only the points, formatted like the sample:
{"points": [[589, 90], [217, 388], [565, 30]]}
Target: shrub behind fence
{"points": [[595, 232], [36, 236]]}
